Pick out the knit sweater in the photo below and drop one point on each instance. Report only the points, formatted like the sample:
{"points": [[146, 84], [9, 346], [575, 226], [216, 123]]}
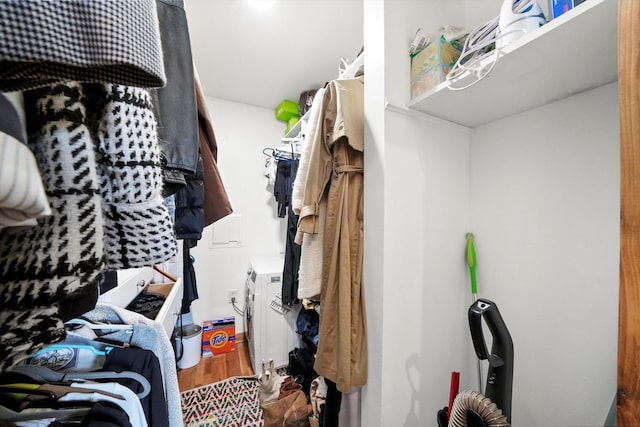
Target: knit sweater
{"points": [[52, 270], [98, 156], [137, 228]]}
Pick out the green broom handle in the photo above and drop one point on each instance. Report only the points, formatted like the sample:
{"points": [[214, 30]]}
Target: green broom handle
{"points": [[471, 260]]}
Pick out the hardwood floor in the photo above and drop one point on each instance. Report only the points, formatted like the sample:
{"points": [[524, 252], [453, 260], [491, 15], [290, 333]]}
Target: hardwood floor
{"points": [[217, 368]]}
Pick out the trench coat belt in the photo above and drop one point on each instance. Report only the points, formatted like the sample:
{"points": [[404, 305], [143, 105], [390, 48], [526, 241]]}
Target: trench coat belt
{"points": [[347, 168]]}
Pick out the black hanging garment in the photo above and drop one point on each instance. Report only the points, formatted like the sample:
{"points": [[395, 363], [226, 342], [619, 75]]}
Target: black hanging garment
{"points": [[292, 249], [307, 325], [189, 215], [101, 414], [146, 364], [282, 187], [189, 223], [330, 415], [175, 103], [190, 292]]}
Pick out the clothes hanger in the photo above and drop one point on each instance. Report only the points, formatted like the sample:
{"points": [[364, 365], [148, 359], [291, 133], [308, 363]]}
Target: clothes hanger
{"points": [[100, 326], [281, 154], [80, 327], [10, 416], [12, 388], [18, 399], [46, 391], [43, 374], [268, 151], [76, 334], [294, 139]]}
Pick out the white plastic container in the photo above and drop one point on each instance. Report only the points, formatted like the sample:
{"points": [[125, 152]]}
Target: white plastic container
{"points": [[189, 336]]}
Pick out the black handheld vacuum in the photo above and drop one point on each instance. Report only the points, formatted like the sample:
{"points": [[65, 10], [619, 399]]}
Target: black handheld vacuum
{"points": [[500, 374], [493, 408]]}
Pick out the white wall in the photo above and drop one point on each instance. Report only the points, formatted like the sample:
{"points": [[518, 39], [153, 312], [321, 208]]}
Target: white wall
{"points": [[545, 212], [242, 132], [374, 206], [426, 288], [550, 174], [416, 199]]}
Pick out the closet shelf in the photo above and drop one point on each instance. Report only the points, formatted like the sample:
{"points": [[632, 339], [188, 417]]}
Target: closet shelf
{"points": [[352, 69], [348, 73], [295, 130], [573, 53]]}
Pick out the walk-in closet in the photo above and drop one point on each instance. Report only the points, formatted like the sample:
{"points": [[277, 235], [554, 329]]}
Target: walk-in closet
{"points": [[281, 212]]}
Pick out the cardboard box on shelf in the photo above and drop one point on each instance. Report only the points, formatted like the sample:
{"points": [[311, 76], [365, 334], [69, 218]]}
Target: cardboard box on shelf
{"points": [[559, 7], [430, 66], [218, 336]]}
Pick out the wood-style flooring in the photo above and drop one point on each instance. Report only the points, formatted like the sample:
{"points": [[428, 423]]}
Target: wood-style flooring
{"points": [[217, 368]]}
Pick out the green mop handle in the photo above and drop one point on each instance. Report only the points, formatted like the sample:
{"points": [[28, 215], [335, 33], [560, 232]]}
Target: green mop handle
{"points": [[471, 260]]}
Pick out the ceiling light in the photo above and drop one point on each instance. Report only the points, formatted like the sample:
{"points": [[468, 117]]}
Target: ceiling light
{"points": [[261, 4]]}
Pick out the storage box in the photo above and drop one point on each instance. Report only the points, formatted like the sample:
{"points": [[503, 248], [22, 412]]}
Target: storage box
{"points": [[218, 336], [286, 109], [430, 66], [558, 7]]}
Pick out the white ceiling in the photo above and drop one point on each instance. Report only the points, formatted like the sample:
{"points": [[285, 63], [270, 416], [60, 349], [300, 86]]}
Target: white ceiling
{"points": [[260, 56]]}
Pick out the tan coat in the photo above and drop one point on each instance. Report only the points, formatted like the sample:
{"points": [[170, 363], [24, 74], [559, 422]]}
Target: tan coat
{"points": [[336, 172]]}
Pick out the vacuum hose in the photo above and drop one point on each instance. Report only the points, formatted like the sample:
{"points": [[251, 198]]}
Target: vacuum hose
{"points": [[473, 409]]}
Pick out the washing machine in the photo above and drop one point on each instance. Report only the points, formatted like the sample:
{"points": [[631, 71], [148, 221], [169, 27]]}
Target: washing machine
{"points": [[270, 328]]}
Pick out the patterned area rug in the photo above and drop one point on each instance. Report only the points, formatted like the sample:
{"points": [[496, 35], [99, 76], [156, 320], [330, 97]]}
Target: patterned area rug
{"points": [[234, 402]]}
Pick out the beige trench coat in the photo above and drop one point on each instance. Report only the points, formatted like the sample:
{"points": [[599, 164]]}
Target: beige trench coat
{"points": [[336, 172]]}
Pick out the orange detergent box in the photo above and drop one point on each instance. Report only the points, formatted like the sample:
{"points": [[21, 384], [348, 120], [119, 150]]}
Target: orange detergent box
{"points": [[218, 336]]}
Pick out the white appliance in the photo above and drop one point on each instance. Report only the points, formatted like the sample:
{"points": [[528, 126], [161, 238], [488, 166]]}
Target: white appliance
{"points": [[271, 333]]}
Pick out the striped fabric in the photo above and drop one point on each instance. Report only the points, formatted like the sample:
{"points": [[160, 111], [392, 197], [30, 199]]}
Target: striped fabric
{"points": [[22, 197]]}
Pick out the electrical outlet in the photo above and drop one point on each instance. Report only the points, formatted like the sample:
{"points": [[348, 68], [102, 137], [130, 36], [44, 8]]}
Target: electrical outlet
{"points": [[232, 296]]}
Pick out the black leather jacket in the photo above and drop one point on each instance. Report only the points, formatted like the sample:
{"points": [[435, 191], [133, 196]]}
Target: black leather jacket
{"points": [[176, 109]]}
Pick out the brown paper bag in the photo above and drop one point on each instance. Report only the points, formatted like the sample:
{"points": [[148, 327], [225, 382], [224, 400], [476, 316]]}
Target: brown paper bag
{"points": [[290, 411]]}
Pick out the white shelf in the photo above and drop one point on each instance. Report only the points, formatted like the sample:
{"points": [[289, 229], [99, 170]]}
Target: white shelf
{"points": [[352, 69], [349, 73], [295, 130], [571, 54]]}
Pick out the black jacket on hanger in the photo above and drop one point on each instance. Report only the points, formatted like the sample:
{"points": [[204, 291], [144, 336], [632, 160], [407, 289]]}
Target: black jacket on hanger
{"points": [[189, 222], [189, 215], [292, 249], [175, 103], [145, 363]]}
